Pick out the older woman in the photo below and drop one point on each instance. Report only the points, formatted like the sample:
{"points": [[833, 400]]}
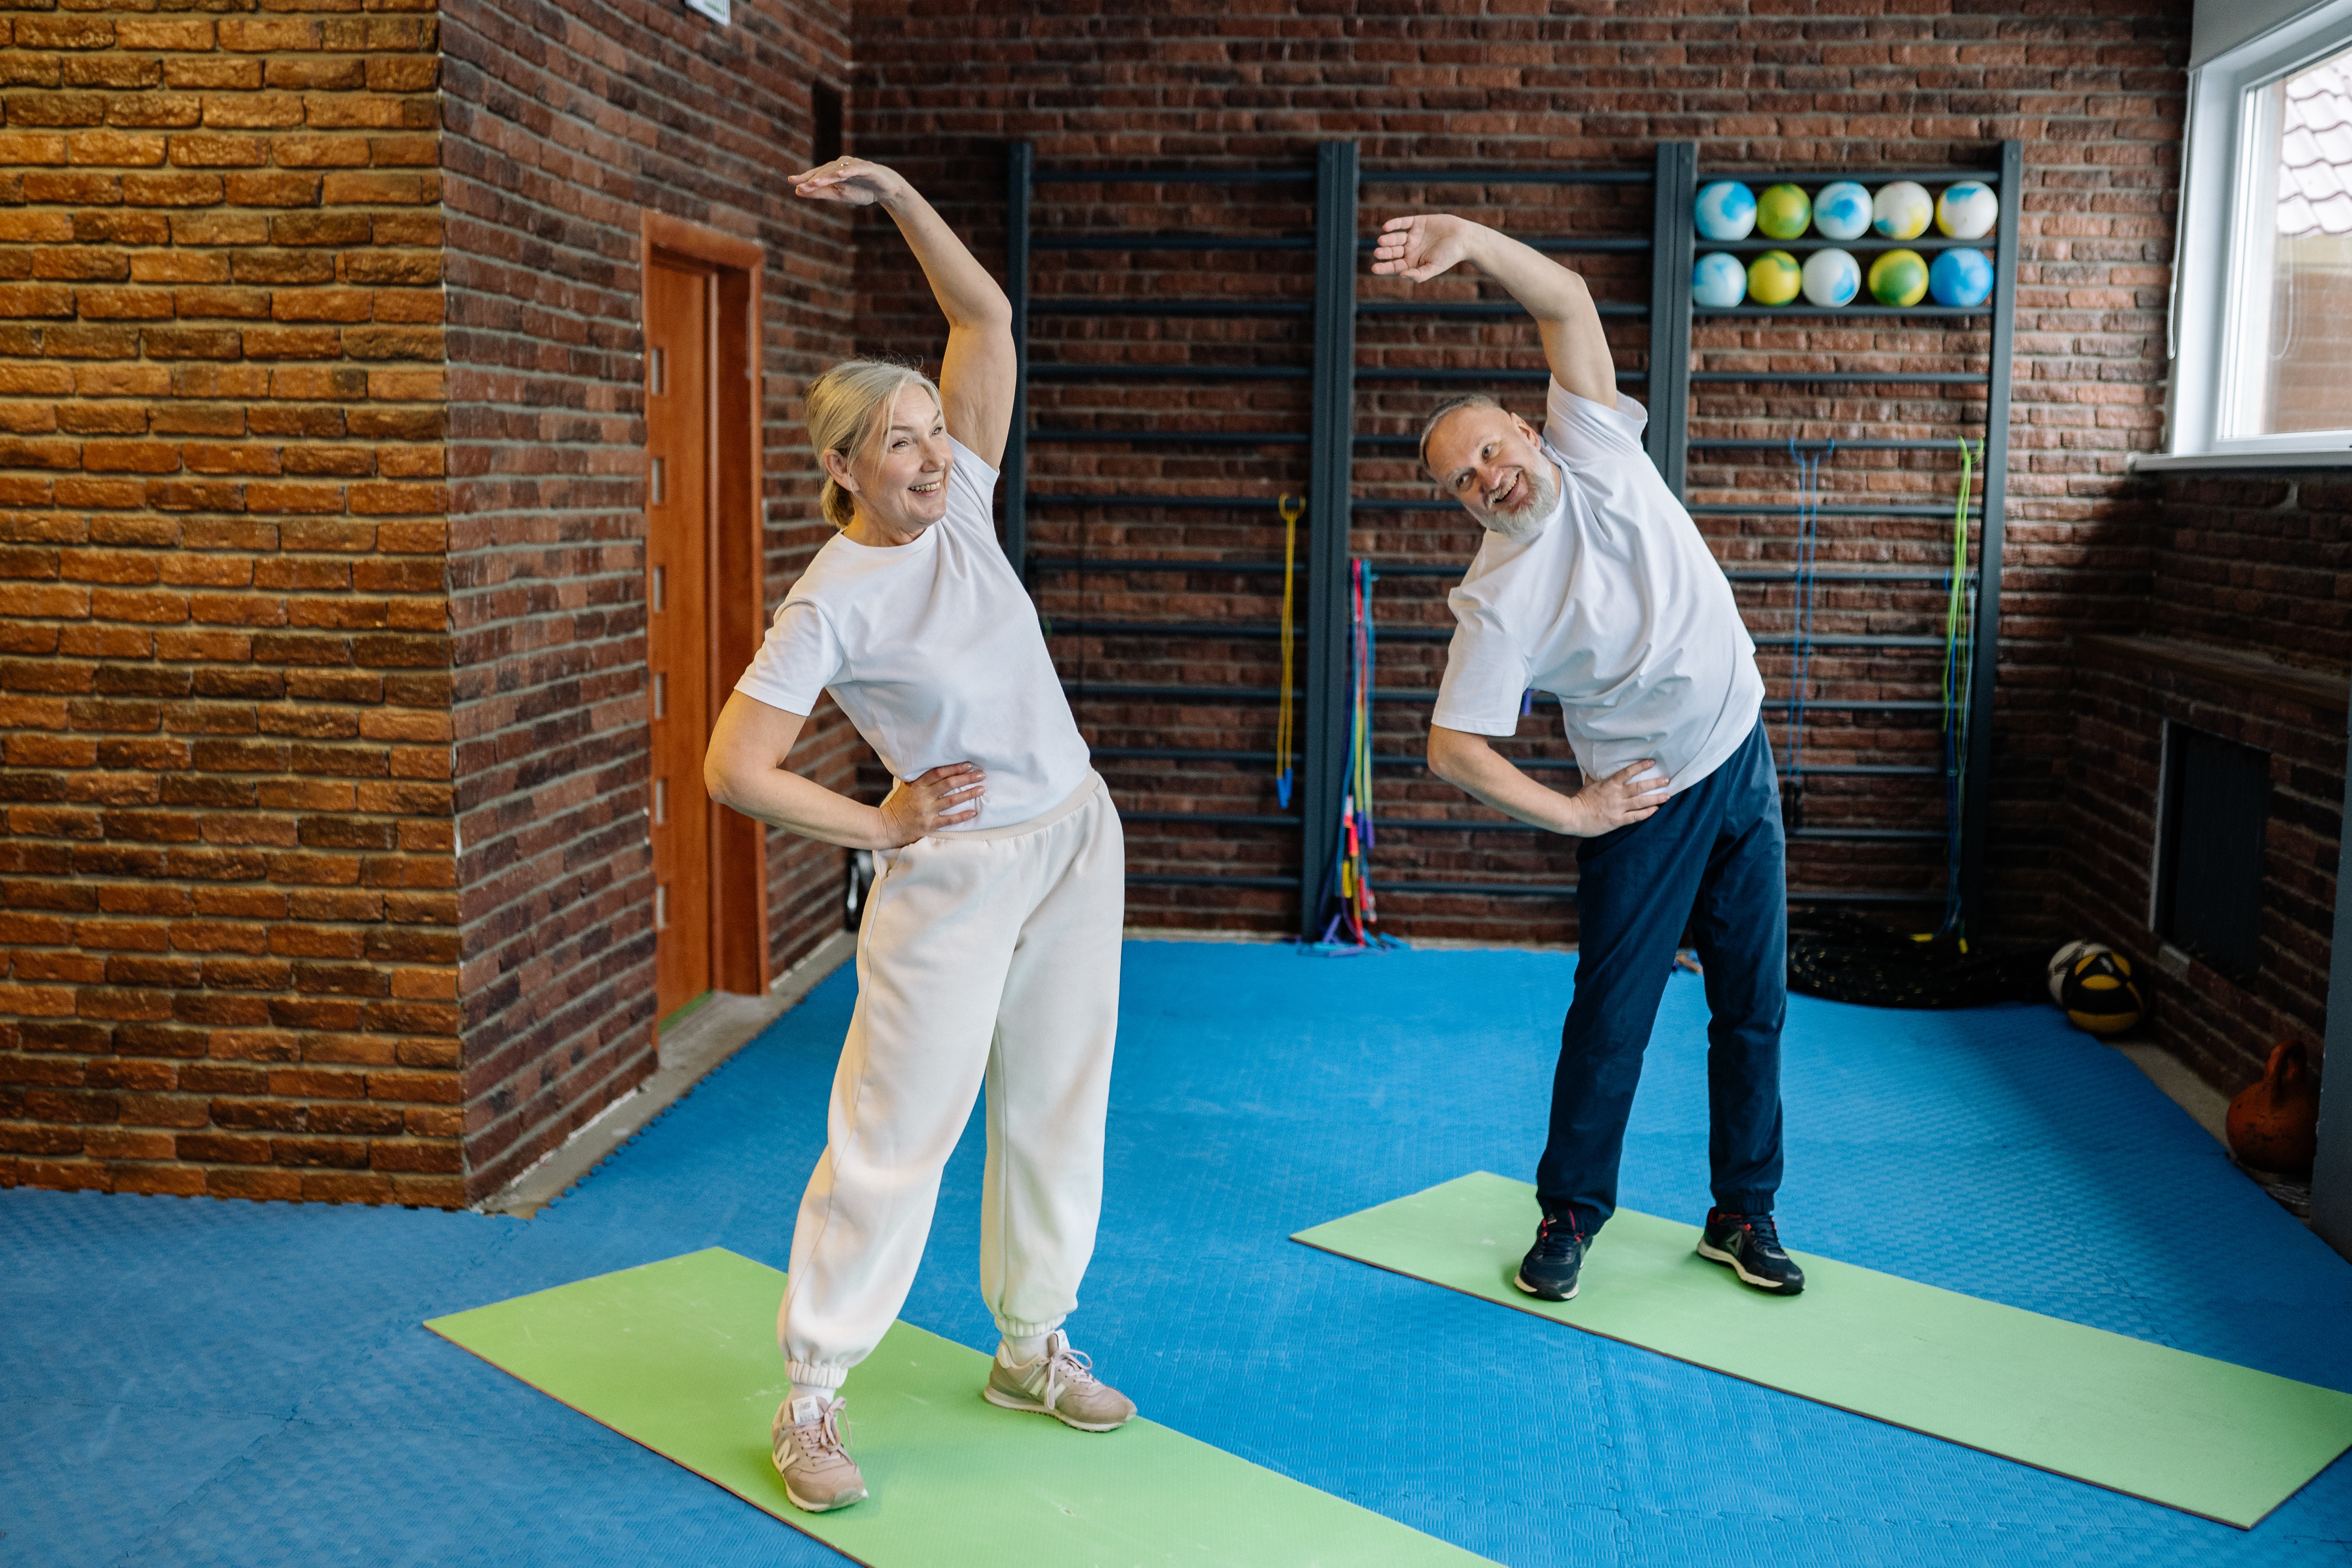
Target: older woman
{"points": [[990, 947]]}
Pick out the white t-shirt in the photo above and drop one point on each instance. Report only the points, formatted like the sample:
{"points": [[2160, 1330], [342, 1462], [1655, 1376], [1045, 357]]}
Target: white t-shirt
{"points": [[932, 648], [1616, 605]]}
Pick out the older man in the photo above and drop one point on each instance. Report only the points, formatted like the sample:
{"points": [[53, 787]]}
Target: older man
{"points": [[1592, 584]]}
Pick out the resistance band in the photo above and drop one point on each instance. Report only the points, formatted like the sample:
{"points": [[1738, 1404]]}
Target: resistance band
{"points": [[1285, 731], [1809, 478], [1351, 870], [1959, 630]]}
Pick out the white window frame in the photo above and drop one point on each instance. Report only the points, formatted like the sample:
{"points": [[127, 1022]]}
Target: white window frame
{"points": [[2212, 255]]}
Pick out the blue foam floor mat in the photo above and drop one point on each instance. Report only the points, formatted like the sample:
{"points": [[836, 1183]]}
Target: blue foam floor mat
{"points": [[186, 1383]]}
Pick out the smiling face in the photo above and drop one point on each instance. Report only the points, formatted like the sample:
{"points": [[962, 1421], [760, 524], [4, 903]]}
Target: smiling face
{"points": [[899, 476], [1488, 459]]}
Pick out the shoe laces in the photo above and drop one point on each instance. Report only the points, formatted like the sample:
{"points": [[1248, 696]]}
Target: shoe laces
{"points": [[1761, 1226], [821, 1438], [1554, 1240], [1068, 1368]]}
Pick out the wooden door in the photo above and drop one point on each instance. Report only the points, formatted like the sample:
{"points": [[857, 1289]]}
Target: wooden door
{"points": [[678, 620]]}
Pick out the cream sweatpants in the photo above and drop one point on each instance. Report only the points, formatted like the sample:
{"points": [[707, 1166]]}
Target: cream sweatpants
{"points": [[988, 955]]}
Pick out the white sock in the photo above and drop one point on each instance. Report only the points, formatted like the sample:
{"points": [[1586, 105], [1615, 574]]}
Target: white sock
{"points": [[823, 1396], [1022, 1350]]}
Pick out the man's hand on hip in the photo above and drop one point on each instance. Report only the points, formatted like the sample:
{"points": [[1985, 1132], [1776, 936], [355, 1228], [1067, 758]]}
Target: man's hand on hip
{"points": [[1625, 797]]}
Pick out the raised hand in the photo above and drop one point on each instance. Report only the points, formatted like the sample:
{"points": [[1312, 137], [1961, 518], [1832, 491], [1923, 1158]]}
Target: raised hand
{"points": [[1421, 246], [1623, 797], [924, 804], [851, 181]]}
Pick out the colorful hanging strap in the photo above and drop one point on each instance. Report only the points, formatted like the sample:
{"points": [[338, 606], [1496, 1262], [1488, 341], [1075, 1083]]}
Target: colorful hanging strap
{"points": [[1959, 634], [1285, 733], [1808, 478]]}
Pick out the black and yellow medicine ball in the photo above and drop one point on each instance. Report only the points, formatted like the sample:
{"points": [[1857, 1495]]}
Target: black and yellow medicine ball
{"points": [[2097, 992]]}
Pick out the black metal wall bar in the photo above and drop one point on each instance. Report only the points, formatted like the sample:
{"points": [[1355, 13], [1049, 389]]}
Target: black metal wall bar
{"points": [[1332, 444], [1672, 366], [1668, 436], [1663, 331], [1323, 761], [1020, 175], [1022, 241], [1976, 816]]}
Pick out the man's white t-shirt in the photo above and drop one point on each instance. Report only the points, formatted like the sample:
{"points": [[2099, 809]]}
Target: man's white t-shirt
{"points": [[932, 648], [1616, 605]]}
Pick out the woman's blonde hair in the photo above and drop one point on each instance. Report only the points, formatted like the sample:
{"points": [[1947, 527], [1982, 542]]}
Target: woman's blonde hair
{"points": [[845, 406]]}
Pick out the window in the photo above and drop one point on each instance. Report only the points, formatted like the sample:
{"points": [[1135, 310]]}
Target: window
{"points": [[2215, 820], [2262, 284]]}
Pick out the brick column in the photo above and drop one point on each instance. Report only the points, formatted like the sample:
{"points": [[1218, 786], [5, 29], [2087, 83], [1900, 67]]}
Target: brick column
{"points": [[226, 905]]}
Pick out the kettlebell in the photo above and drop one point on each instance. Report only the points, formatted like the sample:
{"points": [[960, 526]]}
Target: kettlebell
{"points": [[2273, 1125]]}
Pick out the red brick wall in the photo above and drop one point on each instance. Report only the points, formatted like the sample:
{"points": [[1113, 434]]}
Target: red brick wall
{"points": [[228, 910], [2249, 563], [564, 122], [2093, 91]]}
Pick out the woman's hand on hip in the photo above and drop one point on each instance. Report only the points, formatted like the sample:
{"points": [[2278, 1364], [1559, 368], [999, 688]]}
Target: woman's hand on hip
{"points": [[855, 180], [947, 795], [1625, 797]]}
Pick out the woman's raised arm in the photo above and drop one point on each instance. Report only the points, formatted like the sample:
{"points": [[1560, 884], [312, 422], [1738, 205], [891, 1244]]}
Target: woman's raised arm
{"points": [[976, 376]]}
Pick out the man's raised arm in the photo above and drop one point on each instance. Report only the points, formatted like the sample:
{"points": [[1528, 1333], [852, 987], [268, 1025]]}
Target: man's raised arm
{"points": [[1421, 246]]}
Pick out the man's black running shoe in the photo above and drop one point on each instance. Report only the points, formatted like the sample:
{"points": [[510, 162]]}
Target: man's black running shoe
{"points": [[1548, 1270], [1753, 1246]]}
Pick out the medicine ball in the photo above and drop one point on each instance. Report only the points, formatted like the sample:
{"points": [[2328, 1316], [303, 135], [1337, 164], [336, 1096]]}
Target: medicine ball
{"points": [[2097, 992], [2064, 960]]}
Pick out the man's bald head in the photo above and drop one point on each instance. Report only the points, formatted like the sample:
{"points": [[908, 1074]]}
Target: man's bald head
{"points": [[1451, 406], [1490, 460]]}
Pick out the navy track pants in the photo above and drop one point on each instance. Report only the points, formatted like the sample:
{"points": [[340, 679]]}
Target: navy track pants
{"points": [[1712, 858]]}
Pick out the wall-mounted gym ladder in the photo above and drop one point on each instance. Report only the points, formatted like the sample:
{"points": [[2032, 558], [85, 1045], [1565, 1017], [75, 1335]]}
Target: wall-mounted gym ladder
{"points": [[1224, 284]]}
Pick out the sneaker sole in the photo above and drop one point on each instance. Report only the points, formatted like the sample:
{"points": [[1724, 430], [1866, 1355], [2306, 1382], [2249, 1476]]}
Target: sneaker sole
{"points": [[1030, 1407], [1521, 1281], [1716, 1255], [805, 1506]]}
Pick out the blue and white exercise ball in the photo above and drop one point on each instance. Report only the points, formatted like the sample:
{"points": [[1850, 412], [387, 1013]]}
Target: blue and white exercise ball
{"points": [[1718, 281], [1968, 210], [1831, 278], [1726, 210], [1961, 276], [1842, 210], [1902, 210]]}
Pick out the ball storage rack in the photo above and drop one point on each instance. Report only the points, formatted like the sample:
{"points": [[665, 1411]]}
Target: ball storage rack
{"points": [[1146, 525], [1878, 547]]}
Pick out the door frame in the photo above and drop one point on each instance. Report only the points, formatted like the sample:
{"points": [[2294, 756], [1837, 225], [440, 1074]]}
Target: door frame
{"points": [[738, 846]]}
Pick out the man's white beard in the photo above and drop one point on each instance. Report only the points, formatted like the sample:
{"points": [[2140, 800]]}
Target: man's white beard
{"points": [[1523, 524]]}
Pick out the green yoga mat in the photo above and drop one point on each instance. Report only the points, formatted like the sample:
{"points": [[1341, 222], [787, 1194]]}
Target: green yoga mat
{"points": [[2190, 1433], [681, 1356]]}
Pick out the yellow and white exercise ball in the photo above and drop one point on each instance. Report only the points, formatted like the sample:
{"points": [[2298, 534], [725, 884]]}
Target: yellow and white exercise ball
{"points": [[1831, 278], [1718, 281], [1968, 210], [1842, 210], [1902, 210], [1774, 278]]}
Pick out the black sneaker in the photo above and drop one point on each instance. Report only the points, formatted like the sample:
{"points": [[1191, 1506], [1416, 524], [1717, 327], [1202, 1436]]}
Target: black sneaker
{"points": [[1749, 1244], [1548, 1270]]}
